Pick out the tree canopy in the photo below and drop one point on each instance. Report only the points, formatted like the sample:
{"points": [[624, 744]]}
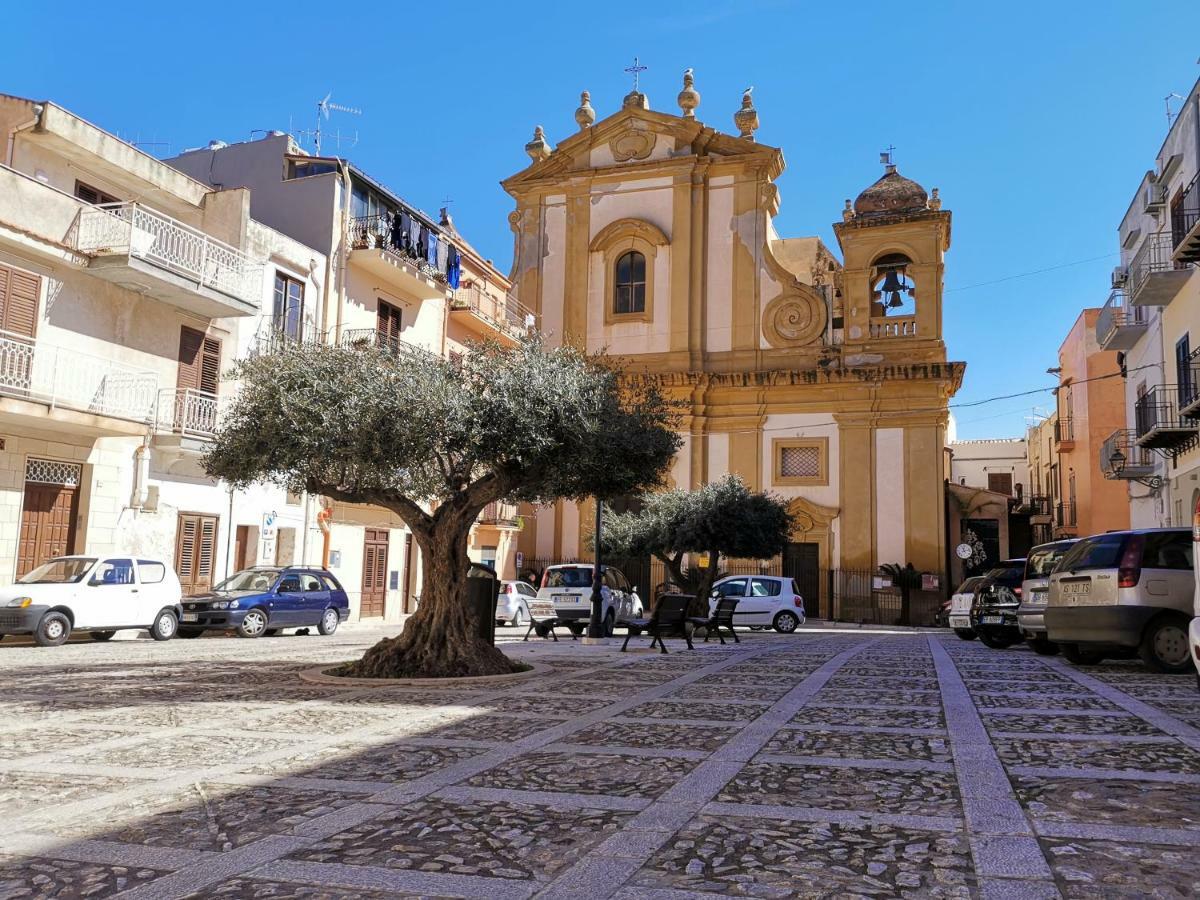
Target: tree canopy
{"points": [[435, 441], [722, 518]]}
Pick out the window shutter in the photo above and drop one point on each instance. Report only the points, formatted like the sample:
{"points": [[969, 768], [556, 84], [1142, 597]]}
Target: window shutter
{"points": [[19, 292], [210, 365], [195, 552], [185, 550], [199, 361], [206, 553], [87, 194]]}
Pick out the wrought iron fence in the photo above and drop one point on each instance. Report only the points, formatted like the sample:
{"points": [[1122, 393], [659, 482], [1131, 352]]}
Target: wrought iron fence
{"points": [[1117, 314], [503, 312], [34, 370], [1154, 255], [1186, 213], [148, 234], [189, 413]]}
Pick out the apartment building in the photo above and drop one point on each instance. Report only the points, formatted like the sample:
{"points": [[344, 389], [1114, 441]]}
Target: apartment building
{"points": [[398, 277], [127, 289], [999, 464], [1043, 478], [1152, 319]]}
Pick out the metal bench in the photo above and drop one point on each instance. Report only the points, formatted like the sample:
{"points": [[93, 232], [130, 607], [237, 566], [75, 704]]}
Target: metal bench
{"points": [[722, 617], [545, 625], [670, 618]]}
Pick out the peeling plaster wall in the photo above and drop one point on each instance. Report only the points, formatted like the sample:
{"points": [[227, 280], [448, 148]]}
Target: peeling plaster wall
{"points": [[553, 250]]}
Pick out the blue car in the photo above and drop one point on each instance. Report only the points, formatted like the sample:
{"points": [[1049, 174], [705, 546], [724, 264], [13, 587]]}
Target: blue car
{"points": [[266, 599]]}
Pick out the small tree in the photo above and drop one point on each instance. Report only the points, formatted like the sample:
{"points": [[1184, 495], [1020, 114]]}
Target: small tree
{"points": [[721, 518], [908, 579], [435, 441]]}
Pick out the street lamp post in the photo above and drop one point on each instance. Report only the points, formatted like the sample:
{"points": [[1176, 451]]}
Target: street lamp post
{"points": [[595, 626]]}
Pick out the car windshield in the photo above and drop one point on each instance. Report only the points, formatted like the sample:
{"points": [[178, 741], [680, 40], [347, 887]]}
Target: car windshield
{"points": [[1100, 552], [1042, 561], [969, 585], [1006, 575], [574, 577], [249, 580], [58, 571]]}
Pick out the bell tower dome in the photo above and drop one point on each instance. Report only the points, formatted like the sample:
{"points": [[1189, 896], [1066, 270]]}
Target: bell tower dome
{"points": [[894, 238]]}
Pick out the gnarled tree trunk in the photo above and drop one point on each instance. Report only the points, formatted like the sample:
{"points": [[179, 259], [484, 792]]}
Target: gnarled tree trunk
{"points": [[441, 639]]}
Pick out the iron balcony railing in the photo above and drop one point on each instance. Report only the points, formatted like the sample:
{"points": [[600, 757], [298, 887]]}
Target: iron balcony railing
{"points": [[1064, 430], [34, 370], [170, 244], [1121, 457], [1185, 223], [190, 413], [362, 338], [499, 513], [1158, 422], [1189, 390], [1152, 257], [376, 233], [504, 312], [1064, 514], [273, 340], [1116, 317], [1037, 504]]}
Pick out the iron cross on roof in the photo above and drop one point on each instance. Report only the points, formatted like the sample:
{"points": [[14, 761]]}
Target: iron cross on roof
{"points": [[885, 156], [635, 70]]}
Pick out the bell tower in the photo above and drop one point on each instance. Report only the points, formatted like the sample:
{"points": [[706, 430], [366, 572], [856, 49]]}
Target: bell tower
{"points": [[894, 238]]}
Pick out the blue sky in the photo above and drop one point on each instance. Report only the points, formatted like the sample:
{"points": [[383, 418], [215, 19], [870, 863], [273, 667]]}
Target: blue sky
{"points": [[1036, 120]]}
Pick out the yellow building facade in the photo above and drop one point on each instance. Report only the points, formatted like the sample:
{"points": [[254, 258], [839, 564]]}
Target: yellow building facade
{"points": [[651, 235]]}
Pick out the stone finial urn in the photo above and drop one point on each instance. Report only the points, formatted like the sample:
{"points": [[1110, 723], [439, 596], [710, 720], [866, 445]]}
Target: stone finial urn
{"points": [[689, 97], [585, 116], [539, 148], [746, 118]]}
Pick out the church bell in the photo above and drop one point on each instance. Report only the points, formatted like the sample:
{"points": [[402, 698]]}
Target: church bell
{"points": [[892, 286]]}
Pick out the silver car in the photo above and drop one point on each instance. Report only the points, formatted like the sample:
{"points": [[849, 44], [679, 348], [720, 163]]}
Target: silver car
{"points": [[1123, 594], [1035, 594], [512, 604]]}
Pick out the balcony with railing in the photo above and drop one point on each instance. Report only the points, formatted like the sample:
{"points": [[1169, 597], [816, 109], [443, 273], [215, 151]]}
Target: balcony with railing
{"points": [[1159, 424], [500, 515], [1189, 392], [62, 378], [894, 327], [1185, 224], [392, 255], [189, 416], [143, 249], [491, 315], [1122, 458], [1154, 275], [1064, 515], [1064, 433], [1040, 508], [1120, 325]]}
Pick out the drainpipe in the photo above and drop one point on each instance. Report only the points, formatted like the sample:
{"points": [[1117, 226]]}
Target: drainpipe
{"points": [[344, 229], [38, 109], [323, 520], [229, 533]]}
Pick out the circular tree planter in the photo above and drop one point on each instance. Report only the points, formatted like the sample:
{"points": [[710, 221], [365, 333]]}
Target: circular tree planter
{"points": [[321, 675]]}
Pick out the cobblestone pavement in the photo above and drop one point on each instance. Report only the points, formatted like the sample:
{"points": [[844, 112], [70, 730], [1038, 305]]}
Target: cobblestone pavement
{"points": [[825, 763]]}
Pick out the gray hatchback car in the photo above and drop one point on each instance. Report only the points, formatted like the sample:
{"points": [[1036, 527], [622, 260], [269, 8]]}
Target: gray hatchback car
{"points": [[1122, 594]]}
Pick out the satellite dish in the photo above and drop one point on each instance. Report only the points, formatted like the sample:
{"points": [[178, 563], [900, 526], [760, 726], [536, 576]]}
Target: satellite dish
{"points": [[963, 551]]}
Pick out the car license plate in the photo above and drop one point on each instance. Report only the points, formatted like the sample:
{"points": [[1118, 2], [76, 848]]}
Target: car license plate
{"points": [[566, 598], [541, 608], [992, 620], [189, 617], [959, 622], [1075, 588]]}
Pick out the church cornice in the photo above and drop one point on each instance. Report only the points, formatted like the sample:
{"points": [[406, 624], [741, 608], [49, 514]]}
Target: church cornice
{"points": [[949, 373]]}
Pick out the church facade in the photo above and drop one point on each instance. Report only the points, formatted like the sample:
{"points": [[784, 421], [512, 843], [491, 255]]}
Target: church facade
{"points": [[651, 235]]}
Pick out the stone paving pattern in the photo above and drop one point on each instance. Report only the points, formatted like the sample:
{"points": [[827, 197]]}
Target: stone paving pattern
{"points": [[831, 762]]}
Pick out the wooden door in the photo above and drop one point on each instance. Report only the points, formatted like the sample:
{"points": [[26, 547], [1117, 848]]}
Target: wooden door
{"points": [[241, 547], [375, 563], [388, 322], [47, 524], [195, 552], [802, 562]]}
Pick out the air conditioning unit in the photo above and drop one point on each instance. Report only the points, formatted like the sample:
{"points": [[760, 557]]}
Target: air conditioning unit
{"points": [[1119, 274], [1154, 199]]}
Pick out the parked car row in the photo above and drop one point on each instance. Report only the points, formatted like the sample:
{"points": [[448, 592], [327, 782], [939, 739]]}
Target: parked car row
{"points": [[1118, 595], [100, 597]]}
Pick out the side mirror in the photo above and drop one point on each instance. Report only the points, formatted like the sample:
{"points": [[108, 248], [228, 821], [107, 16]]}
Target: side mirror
{"points": [[633, 590]]}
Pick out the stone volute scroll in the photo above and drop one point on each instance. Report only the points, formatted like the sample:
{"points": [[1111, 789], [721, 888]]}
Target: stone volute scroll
{"points": [[794, 318]]}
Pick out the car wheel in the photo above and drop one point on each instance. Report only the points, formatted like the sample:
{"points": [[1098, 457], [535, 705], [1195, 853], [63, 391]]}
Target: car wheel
{"points": [[965, 634], [53, 630], [190, 632], [1164, 646], [254, 623], [1043, 647], [329, 622], [101, 635], [785, 622], [518, 620], [165, 626], [1078, 655], [996, 643], [610, 622]]}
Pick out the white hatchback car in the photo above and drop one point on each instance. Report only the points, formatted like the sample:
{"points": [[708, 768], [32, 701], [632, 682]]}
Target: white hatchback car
{"points": [[764, 601], [512, 604], [567, 590], [98, 595]]}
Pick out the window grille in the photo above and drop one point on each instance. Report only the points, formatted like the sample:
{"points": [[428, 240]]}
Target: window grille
{"points": [[50, 471]]}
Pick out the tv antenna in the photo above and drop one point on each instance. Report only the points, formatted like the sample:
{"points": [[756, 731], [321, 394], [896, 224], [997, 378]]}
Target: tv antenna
{"points": [[324, 108], [1167, 101]]}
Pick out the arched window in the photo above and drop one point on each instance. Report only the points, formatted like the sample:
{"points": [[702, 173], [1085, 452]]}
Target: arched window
{"points": [[630, 280], [892, 290]]}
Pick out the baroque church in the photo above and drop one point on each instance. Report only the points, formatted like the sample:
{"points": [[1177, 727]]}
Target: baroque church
{"points": [[651, 235]]}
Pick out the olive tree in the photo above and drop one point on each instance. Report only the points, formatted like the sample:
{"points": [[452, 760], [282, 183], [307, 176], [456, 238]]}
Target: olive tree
{"points": [[435, 441], [722, 518]]}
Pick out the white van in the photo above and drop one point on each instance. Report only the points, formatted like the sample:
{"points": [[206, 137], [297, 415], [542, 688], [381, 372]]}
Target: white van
{"points": [[566, 593], [99, 595]]}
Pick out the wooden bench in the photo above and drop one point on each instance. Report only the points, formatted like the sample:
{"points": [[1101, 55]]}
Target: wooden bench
{"points": [[722, 617], [543, 620], [670, 618]]}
